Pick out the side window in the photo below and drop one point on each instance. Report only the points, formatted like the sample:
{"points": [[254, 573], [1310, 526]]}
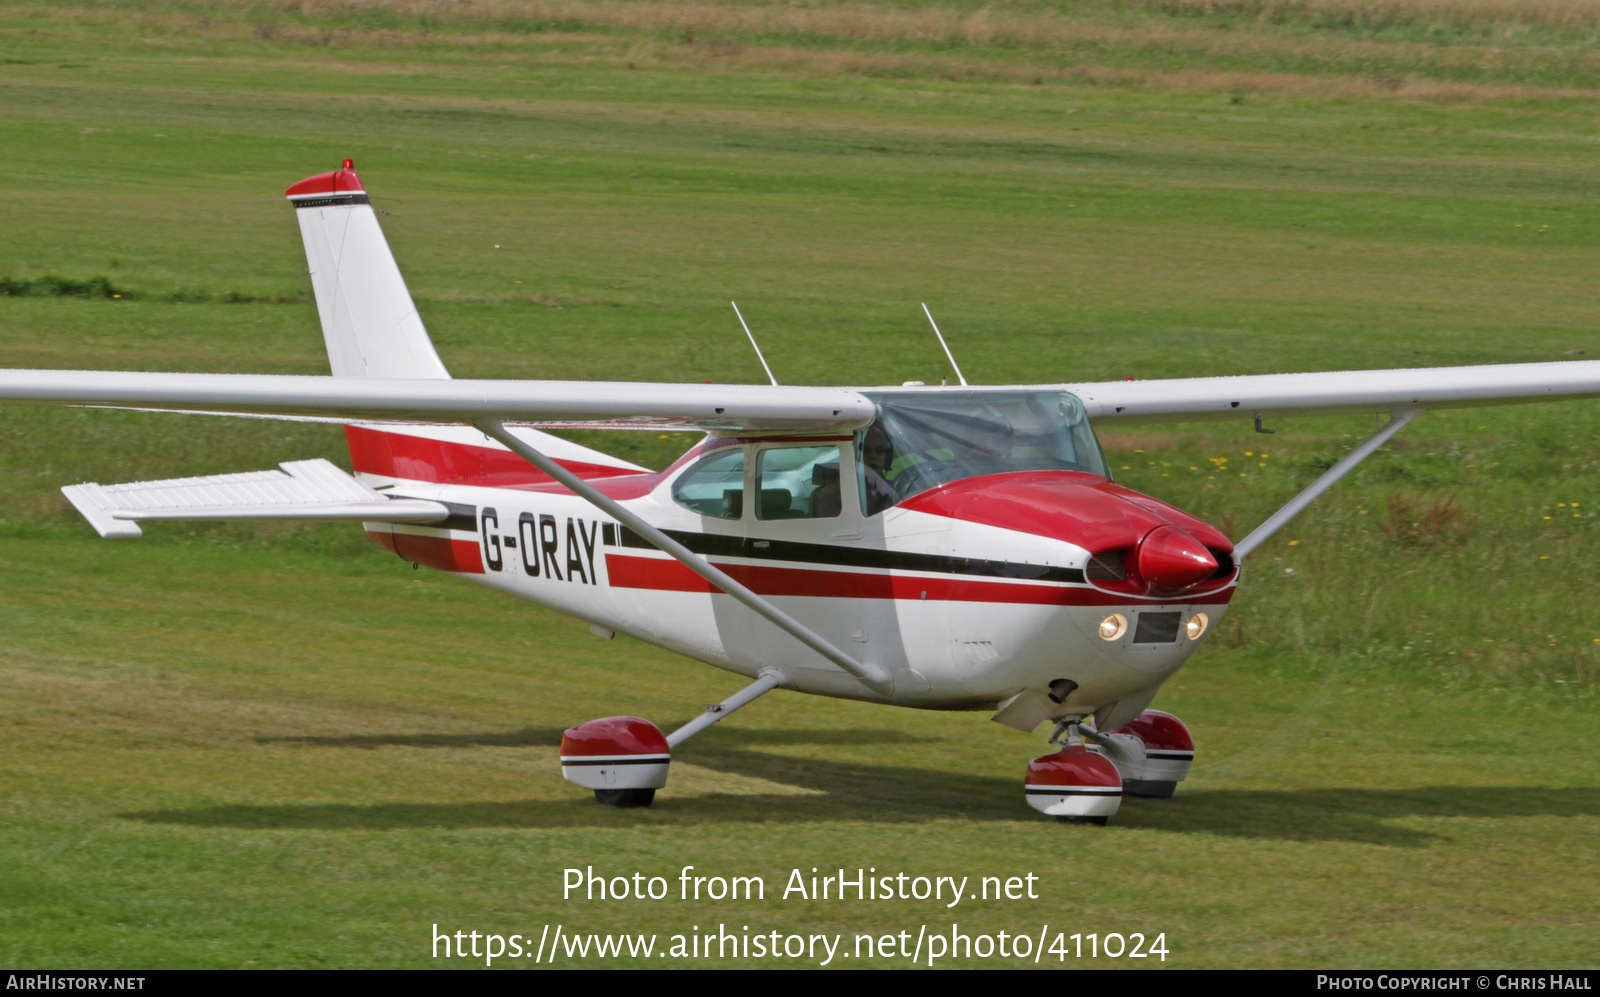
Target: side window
{"points": [[798, 483], [715, 486]]}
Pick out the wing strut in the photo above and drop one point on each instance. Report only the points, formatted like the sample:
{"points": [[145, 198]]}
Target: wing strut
{"points": [[870, 675], [1397, 421]]}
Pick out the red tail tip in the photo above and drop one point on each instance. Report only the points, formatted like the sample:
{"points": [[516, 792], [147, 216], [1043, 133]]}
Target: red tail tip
{"points": [[338, 182]]}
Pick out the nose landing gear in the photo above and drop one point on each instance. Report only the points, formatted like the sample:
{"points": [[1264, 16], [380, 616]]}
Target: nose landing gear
{"points": [[1153, 753]]}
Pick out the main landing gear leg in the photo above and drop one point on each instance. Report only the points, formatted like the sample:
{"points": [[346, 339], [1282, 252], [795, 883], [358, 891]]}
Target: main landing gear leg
{"points": [[624, 759], [1081, 784]]}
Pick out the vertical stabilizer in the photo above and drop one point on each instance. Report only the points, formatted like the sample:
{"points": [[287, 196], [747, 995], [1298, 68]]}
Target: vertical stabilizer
{"points": [[373, 330], [371, 327]]}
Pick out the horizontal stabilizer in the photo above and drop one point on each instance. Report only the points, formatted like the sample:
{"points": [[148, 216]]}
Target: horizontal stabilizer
{"points": [[304, 489]]}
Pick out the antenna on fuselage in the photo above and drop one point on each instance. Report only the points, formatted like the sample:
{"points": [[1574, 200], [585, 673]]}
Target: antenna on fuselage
{"points": [[953, 365], [747, 332]]}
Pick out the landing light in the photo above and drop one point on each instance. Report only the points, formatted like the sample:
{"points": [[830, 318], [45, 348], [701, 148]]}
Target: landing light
{"points": [[1197, 625], [1114, 626]]}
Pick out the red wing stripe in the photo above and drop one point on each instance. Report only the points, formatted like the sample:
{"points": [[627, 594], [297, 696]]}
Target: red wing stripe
{"points": [[627, 571]]}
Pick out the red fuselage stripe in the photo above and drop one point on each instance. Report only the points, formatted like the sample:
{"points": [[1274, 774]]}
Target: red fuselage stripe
{"points": [[417, 458], [627, 571], [440, 553]]}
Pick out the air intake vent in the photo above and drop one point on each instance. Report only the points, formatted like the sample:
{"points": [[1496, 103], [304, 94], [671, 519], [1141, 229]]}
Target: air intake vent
{"points": [[1156, 628], [1107, 567]]}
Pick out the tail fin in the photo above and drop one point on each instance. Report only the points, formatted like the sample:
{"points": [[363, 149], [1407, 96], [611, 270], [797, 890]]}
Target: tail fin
{"points": [[369, 323], [372, 329]]}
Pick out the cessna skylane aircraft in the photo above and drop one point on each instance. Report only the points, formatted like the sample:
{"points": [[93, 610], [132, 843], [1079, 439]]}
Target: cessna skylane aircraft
{"points": [[948, 548]]}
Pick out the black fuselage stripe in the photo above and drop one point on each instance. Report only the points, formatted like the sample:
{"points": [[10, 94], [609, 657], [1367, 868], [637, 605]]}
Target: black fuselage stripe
{"points": [[462, 516], [1070, 791], [465, 517], [648, 760], [331, 199], [716, 545]]}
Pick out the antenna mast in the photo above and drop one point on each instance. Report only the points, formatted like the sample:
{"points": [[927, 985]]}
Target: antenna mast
{"points": [[953, 366], [747, 332]]}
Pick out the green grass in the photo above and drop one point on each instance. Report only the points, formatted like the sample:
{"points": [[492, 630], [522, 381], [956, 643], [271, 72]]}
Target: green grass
{"points": [[243, 745]]}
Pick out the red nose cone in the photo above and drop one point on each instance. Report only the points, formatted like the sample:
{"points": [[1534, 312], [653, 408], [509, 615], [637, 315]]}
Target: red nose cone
{"points": [[1171, 559]]}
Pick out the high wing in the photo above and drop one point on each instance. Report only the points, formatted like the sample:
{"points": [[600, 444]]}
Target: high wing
{"points": [[716, 407], [732, 408], [1338, 391]]}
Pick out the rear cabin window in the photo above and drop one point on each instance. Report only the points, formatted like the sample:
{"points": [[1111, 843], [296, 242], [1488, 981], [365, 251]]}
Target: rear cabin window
{"points": [[715, 486]]}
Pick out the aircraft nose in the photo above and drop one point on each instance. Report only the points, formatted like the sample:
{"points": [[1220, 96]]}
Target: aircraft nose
{"points": [[1171, 559]]}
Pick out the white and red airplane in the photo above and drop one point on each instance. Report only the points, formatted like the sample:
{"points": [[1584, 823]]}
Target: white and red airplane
{"points": [[947, 548]]}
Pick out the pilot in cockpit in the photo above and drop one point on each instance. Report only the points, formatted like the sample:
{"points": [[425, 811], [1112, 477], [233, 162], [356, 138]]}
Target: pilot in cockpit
{"points": [[877, 462]]}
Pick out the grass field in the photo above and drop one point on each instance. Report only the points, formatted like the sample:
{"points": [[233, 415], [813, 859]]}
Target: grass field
{"points": [[276, 746]]}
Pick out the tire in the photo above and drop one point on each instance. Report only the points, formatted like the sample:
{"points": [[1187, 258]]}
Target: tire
{"points": [[1150, 789], [625, 797]]}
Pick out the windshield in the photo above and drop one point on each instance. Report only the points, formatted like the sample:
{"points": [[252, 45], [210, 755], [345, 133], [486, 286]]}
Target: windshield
{"points": [[922, 439]]}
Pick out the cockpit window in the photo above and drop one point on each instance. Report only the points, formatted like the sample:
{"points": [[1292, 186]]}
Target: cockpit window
{"points": [[798, 482], [924, 439]]}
